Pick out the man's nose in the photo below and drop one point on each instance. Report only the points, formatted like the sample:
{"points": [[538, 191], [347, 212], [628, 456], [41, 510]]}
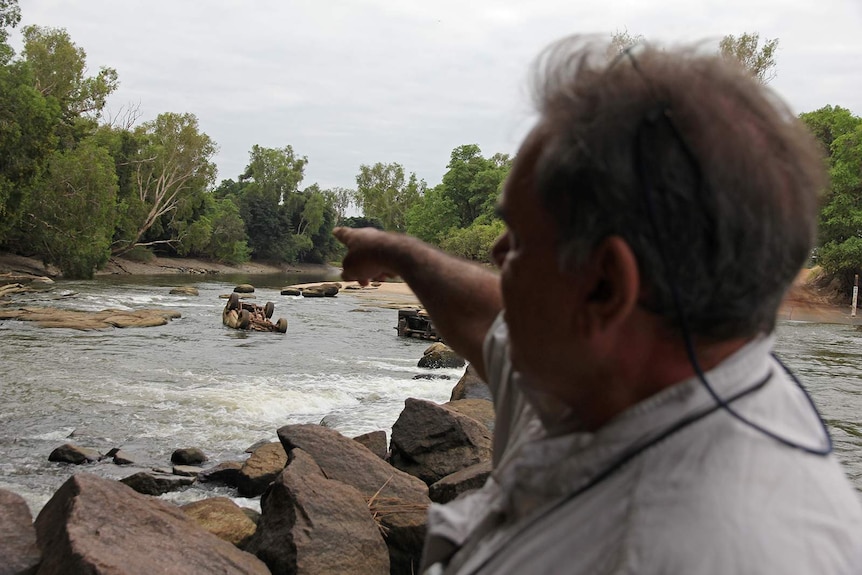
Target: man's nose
{"points": [[500, 249]]}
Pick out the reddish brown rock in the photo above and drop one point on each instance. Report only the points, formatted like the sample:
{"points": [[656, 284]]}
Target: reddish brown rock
{"points": [[481, 410], [375, 441], [226, 473], [223, 518], [95, 526], [431, 442], [460, 482], [156, 483], [71, 453], [471, 386], [261, 469], [440, 355], [399, 499], [314, 525], [18, 549]]}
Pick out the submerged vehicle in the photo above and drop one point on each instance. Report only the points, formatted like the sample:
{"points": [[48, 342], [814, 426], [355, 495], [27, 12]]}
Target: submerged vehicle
{"points": [[416, 323], [248, 316]]}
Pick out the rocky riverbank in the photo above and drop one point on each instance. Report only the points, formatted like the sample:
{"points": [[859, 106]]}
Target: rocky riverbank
{"points": [[330, 504], [15, 264]]}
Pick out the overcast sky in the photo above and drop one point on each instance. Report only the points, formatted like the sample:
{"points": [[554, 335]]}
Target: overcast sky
{"points": [[356, 82]]}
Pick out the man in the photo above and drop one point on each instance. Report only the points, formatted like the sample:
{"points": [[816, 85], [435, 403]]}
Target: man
{"points": [[655, 215]]}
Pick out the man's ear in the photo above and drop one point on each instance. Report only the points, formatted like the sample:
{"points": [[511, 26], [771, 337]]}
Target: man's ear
{"points": [[613, 286]]}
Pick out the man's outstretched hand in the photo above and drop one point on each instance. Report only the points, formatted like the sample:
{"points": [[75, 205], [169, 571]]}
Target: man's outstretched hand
{"points": [[371, 254]]}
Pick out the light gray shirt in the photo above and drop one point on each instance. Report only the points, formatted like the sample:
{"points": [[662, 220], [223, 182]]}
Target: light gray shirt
{"points": [[708, 494]]}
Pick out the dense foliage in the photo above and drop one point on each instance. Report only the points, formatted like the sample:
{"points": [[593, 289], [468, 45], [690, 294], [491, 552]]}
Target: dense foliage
{"points": [[840, 241], [76, 188]]}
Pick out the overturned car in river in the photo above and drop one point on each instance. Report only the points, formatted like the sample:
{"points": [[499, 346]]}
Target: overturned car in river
{"points": [[248, 316]]}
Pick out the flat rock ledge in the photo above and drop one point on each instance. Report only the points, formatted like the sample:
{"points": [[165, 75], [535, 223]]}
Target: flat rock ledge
{"points": [[86, 320]]}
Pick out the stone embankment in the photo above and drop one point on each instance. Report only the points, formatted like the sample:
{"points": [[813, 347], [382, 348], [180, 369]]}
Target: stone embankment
{"points": [[330, 504]]}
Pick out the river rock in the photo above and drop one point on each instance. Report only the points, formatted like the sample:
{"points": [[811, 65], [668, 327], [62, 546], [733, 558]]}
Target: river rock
{"points": [[471, 386], [223, 518], [440, 355], [430, 441], [188, 456], [259, 443], [156, 483], [291, 291], [71, 453], [313, 524], [186, 470], [18, 549], [86, 320], [226, 473], [100, 527], [260, 469], [462, 481], [375, 441], [184, 290], [244, 288], [120, 457], [399, 500], [481, 410], [313, 292]]}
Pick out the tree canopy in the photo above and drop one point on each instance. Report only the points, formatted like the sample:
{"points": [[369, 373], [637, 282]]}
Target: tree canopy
{"points": [[840, 243], [384, 192]]}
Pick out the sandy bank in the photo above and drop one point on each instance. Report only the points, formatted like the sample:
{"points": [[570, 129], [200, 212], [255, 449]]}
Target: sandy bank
{"points": [[393, 295]]}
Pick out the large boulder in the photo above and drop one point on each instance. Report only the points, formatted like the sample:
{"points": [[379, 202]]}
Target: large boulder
{"points": [[314, 525], [18, 548], [471, 386], [440, 355], [98, 526], [223, 518], [261, 469], [244, 288], [460, 482], [481, 410], [399, 500], [430, 441]]}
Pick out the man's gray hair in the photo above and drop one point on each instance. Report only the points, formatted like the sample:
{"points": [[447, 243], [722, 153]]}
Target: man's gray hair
{"points": [[708, 177]]}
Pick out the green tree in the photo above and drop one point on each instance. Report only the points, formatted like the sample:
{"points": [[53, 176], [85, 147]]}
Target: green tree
{"points": [[70, 216], [10, 16], [264, 195], [340, 199], [172, 170], [473, 183], [757, 58], [27, 140], [59, 68], [433, 216], [217, 234], [383, 192], [474, 242], [840, 242]]}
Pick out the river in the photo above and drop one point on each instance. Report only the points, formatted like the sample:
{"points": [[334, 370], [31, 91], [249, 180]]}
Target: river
{"points": [[196, 383]]}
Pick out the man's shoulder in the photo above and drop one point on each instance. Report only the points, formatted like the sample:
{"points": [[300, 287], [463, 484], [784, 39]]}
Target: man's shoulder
{"points": [[739, 498]]}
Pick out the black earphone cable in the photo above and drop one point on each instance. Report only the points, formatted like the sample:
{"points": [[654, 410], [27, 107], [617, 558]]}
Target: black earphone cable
{"points": [[649, 201]]}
